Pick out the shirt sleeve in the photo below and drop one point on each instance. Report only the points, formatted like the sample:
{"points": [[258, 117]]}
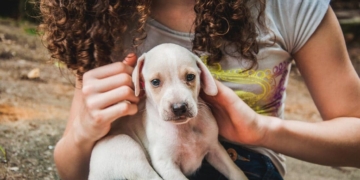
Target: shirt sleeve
{"points": [[297, 20]]}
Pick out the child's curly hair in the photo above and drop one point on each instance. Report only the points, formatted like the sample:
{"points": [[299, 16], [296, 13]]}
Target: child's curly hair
{"points": [[83, 33]]}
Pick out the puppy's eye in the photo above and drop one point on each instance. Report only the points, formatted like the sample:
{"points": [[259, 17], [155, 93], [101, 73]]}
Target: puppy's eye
{"points": [[155, 82], [190, 77]]}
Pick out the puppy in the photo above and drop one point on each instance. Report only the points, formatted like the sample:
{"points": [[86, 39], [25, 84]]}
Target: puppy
{"points": [[173, 131]]}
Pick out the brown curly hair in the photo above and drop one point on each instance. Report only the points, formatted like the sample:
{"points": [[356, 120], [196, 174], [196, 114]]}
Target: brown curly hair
{"points": [[83, 33], [220, 23]]}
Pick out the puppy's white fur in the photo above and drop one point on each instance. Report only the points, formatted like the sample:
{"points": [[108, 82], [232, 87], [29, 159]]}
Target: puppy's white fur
{"points": [[158, 143]]}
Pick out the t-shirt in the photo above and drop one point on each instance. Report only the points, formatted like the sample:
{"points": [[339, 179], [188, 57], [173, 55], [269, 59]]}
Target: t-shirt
{"points": [[290, 24]]}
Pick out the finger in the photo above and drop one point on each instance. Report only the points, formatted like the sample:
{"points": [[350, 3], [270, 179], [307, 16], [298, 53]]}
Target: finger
{"points": [[227, 97], [224, 95], [130, 59], [108, 70], [106, 99], [206, 97], [116, 111], [107, 84]]}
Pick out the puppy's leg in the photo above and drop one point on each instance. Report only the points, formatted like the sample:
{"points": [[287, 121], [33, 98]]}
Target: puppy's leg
{"points": [[120, 157], [220, 160]]}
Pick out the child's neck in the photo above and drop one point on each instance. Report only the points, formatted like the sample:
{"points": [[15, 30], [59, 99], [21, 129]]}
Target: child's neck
{"points": [[178, 15]]}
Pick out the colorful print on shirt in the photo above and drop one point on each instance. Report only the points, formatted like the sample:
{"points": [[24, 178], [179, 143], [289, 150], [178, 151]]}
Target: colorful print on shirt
{"points": [[268, 101]]}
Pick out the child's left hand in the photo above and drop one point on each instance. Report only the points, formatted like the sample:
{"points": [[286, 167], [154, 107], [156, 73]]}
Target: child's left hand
{"points": [[236, 120]]}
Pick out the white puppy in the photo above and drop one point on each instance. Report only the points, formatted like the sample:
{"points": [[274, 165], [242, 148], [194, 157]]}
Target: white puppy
{"points": [[174, 129]]}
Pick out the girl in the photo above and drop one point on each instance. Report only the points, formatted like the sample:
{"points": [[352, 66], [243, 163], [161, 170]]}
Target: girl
{"points": [[248, 46]]}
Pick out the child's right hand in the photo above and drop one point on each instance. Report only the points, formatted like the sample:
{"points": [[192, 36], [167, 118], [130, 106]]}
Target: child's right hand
{"points": [[107, 94]]}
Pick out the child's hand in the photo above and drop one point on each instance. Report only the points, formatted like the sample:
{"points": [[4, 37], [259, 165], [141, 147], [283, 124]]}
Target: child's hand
{"points": [[236, 120], [108, 94]]}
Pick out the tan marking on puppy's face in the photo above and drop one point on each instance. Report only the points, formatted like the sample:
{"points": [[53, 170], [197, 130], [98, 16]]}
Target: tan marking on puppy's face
{"points": [[172, 84]]}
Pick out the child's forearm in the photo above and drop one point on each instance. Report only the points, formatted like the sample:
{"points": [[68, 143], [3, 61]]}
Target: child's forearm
{"points": [[72, 157], [334, 142]]}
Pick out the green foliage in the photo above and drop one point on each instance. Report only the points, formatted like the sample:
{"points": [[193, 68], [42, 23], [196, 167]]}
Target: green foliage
{"points": [[3, 151], [31, 31]]}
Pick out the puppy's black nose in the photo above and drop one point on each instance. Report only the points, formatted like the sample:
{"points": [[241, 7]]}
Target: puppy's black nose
{"points": [[179, 109]]}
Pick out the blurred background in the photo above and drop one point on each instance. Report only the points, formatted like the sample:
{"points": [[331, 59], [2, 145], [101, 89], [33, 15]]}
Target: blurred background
{"points": [[35, 95]]}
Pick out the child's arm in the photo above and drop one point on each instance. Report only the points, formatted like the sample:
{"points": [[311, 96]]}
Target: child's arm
{"points": [[98, 100], [335, 88]]}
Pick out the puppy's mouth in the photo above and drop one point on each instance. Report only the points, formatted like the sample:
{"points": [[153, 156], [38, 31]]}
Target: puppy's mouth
{"points": [[180, 119], [179, 113]]}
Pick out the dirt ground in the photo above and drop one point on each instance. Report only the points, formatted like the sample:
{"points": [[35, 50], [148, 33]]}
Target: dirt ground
{"points": [[33, 112]]}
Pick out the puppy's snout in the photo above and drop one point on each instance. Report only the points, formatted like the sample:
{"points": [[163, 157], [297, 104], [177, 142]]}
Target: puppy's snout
{"points": [[179, 109]]}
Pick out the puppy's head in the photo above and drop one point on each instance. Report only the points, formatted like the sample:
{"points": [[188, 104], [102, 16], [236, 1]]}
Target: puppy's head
{"points": [[171, 77]]}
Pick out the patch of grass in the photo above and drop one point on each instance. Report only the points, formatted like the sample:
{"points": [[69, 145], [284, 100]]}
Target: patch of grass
{"points": [[3, 152], [31, 31]]}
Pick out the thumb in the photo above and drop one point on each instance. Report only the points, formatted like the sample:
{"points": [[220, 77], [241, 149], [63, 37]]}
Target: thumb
{"points": [[223, 96], [207, 98], [130, 59]]}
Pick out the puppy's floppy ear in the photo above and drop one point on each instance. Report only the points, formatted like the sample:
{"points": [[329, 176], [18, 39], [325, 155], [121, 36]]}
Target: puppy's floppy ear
{"points": [[137, 72], [207, 81]]}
